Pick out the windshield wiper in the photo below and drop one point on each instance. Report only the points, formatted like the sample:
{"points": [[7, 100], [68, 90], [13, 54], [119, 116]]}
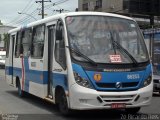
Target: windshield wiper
{"points": [[82, 55], [122, 49], [126, 52]]}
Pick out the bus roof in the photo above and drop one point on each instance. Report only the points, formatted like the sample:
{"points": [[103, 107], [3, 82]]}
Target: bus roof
{"points": [[62, 15]]}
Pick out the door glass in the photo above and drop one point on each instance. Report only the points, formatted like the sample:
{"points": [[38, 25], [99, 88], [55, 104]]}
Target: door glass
{"points": [[51, 30]]}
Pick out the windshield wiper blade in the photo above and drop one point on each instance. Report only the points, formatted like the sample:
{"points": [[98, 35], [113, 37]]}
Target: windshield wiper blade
{"points": [[126, 52], [82, 55], [122, 49]]}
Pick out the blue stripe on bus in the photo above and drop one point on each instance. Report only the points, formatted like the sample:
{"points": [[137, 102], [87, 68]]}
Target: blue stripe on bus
{"points": [[32, 75], [61, 80], [9, 70], [36, 77]]}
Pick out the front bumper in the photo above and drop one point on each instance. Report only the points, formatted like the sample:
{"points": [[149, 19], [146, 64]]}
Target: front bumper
{"points": [[84, 98]]}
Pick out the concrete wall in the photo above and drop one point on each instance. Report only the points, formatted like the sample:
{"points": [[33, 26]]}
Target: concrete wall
{"points": [[112, 5], [107, 5]]}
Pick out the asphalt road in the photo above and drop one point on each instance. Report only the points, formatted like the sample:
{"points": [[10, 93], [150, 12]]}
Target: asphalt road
{"points": [[33, 108]]}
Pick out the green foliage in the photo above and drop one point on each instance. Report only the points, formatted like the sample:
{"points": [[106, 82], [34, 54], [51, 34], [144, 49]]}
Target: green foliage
{"points": [[1, 23], [5, 38]]}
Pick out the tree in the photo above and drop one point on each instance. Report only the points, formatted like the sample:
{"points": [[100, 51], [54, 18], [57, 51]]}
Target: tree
{"points": [[5, 38]]}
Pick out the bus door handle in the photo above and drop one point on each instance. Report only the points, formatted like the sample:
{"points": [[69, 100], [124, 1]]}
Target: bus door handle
{"points": [[57, 70]]}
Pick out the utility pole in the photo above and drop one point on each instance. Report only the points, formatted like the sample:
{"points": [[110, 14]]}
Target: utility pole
{"points": [[42, 12], [152, 7], [61, 10]]}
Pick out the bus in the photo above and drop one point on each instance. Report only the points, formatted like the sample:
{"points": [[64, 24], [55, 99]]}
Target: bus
{"points": [[81, 61]]}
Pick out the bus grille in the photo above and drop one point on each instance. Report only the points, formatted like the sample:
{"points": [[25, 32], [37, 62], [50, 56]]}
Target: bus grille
{"points": [[156, 81], [113, 85], [122, 98]]}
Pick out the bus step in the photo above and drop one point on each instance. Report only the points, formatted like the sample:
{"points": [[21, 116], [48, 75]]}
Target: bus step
{"points": [[50, 96], [11, 85], [49, 99]]}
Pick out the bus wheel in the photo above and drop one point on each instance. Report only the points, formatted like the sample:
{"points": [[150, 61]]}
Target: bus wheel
{"points": [[62, 103], [20, 91], [133, 110]]}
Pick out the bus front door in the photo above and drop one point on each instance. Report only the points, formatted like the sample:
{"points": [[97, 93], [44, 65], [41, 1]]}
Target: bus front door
{"points": [[51, 32]]}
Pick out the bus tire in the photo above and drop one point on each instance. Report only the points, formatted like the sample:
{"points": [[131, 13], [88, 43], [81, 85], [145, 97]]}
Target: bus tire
{"points": [[133, 110], [20, 91], [63, 104]]}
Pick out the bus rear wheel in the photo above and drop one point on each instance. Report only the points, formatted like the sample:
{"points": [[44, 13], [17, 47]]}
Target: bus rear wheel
{"points": [[63, 104], [133, 110], [20, 91]]}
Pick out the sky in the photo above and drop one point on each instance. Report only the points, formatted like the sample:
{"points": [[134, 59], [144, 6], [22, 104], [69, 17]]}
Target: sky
{"points": [[9, 10]]}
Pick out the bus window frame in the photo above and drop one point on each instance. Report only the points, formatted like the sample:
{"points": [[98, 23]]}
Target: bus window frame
{"points": [[63, 65], [16, 44], [31, 46], [28, 42]]}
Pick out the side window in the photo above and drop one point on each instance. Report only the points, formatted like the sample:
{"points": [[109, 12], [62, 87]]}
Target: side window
{"points": [[26, 41], [18, 47], [8, 44], [60, 45], [38, 41]]}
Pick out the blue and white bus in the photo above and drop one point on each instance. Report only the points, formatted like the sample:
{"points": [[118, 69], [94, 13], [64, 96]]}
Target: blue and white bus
{"points": [[81, 61]]}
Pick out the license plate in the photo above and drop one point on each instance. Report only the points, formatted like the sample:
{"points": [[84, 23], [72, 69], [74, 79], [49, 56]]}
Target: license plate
{"points": [[118, 105]]}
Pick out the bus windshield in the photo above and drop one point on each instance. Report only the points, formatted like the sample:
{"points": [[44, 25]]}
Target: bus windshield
{"points": [[105, 39]]}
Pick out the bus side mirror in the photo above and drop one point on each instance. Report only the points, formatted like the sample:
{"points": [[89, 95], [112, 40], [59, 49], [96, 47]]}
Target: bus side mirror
{"points": [[59, 31]]}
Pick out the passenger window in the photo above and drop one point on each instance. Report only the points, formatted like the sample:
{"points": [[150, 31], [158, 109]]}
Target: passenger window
{"points": [[26, 41], [18, 46], [60, 45], [38, 42]]}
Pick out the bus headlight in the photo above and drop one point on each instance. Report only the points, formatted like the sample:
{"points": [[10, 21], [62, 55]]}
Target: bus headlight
{"points": [[82, 81], [147, 81]]}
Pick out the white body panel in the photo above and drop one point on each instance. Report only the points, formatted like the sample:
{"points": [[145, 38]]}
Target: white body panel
{"points": [[37, 89]]}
